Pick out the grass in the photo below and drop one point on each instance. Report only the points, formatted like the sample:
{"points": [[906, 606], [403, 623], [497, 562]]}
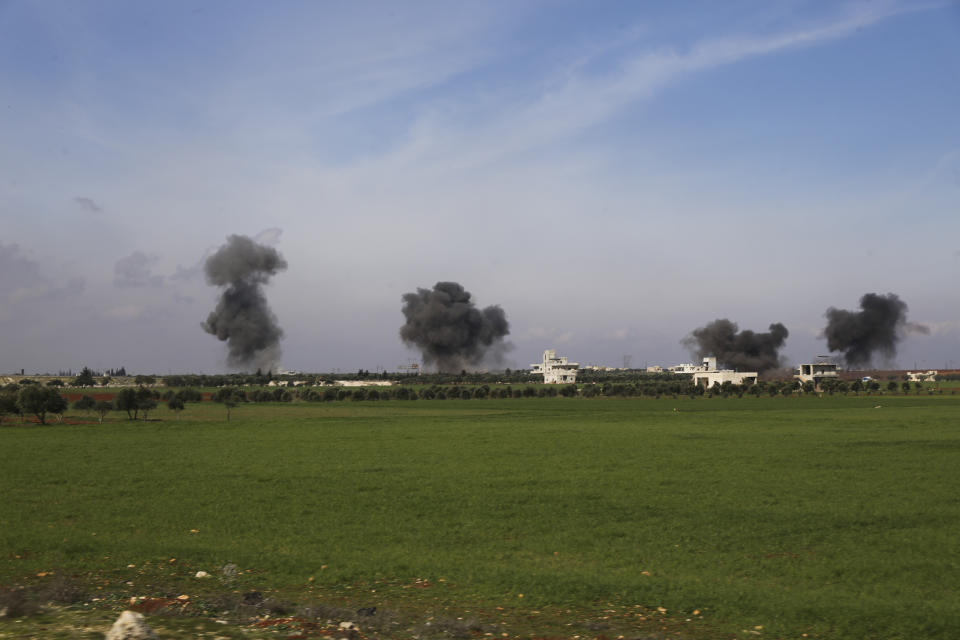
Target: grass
{"points": [[825, 516]]}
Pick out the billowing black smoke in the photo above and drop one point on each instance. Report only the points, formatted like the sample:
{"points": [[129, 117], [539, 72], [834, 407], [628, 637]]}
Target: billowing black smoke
{"points": [[450, 331], [242, 317], [877, 328], [743, 350]]}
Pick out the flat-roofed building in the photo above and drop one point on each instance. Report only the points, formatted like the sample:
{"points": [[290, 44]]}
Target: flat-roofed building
{"points": [[817, 372], [708, 376], [556, 370]]}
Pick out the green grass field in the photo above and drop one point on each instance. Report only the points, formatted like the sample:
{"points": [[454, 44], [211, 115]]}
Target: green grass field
{"points": [[773, 516]]}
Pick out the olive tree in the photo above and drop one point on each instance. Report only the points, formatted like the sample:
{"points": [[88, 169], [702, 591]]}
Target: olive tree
{"points": [[230, 397], [102, 408], [176, 405], [8, 404], [85, 404], [40, 401]]}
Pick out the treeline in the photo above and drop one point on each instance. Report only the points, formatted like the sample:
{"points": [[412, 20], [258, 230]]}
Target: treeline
{"points": [[508, 376], [653, 389], [137, 402]]}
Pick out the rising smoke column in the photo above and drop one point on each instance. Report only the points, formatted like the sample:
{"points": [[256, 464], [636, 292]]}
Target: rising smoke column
{"points": [[744, 351], [877, 328], [450, 331], [243, 318]]}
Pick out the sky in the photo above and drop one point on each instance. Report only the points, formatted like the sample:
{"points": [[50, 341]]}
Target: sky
{"points": [[612, 174]]}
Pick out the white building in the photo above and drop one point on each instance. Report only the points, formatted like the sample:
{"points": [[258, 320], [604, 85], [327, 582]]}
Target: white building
{"points": [[688, 368], [707, 375], [816, 372], [922, 376], [556, 370]]}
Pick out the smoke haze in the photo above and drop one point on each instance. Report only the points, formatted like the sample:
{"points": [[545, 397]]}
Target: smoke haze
{"points": [[877, 328], [449, 330], [743, 350], [243, 318]]}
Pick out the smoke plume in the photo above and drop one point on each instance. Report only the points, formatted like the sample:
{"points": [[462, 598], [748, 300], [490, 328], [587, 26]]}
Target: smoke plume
{"points": [[242, 317], [877, 328], [450, 331], [744, 350]]}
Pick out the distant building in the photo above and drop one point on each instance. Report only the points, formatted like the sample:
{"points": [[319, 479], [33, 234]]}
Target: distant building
{"points": [[922, 376], [708, 364], [655, 368], [817, 372], [707, 375], [555, 370], [363, 383], [598, 367]]}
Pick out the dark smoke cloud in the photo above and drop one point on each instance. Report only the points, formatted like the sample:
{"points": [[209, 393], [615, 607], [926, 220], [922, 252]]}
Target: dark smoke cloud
{"points": [[450, 331], [877, 328], [744, 351], [242, 317]]}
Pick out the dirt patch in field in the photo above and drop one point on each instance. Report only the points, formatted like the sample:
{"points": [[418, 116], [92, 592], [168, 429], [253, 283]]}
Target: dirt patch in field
{"points": [[73, 396]]}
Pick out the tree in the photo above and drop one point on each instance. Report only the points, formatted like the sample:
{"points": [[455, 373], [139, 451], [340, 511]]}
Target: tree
{"points": [[56, 382], [85, 404], [105, 380], [229, 397], [8, 404], [906, 388], [174, 381], [84, 378], [126, 400], [102, 408], [145, 401], [144, 380], [40, 401], [189, 395], [892, 385], [175, 404]]}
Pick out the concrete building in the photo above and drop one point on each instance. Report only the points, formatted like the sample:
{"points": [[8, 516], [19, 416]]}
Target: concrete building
{"points": [[922, 376], [707, 375], [688, 368], [816, 372], [556, 370]]}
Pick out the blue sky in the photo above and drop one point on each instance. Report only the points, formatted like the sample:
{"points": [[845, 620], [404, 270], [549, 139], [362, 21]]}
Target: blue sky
{"points": [[612, 174]]}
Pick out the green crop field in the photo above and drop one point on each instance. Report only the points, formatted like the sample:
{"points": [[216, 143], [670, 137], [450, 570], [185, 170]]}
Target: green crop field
{"points": [[834, 517]]}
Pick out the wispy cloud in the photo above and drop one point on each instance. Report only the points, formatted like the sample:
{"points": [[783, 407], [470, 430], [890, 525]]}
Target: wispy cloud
{"points": [[574, 99], [88, 204], [270, 237], [135, 270]]}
